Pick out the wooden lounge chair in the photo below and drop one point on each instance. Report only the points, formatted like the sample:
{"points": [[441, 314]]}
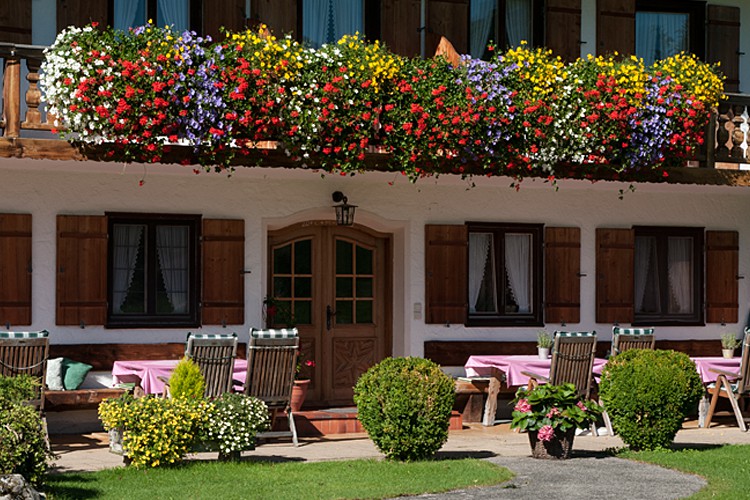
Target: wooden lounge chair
{"points": [[271, 367], [631, 338], [26, 353], [214, 353], [733, 386]]}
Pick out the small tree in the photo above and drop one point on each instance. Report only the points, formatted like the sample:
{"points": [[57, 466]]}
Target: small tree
{"points": [[186, 381]]}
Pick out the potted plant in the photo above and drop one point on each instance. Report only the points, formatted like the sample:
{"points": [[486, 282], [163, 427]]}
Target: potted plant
{"points": [[544, 342], [728, 344], [301, 383], [551, 414]]}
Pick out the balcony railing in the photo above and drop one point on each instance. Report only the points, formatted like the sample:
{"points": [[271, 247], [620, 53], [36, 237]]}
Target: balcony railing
{"points": [[726, 146]]}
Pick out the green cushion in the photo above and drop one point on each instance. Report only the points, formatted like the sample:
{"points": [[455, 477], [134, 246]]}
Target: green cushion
{"points": [[74, 373], [55, 374]]}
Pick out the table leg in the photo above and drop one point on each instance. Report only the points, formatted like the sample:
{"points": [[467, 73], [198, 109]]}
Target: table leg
{"points": [[490, 408]]}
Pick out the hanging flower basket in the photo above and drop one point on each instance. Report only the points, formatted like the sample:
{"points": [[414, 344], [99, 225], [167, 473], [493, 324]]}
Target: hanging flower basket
{"points": [[559, 447]]}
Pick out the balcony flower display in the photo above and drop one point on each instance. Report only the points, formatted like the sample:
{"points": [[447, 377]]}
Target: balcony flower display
{"points": [[522, 113]]}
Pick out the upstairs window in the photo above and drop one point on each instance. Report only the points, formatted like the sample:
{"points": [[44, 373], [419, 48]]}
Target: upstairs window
{"points": [[326, 21], [504, 22], [131, 13], [664, 28]]}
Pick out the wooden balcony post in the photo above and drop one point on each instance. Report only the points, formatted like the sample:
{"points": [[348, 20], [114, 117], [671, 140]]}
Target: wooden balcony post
{"points": [[33, 117], [12, 96]]}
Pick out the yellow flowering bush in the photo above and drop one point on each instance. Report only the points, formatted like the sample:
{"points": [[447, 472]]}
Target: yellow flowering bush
{"points": [[701, 80]]}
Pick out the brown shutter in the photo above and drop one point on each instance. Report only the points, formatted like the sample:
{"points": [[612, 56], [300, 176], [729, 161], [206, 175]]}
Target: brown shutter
{"points": [[722, 268], [229, 14], [615, 26], [446, 249], [399, 26], [81, 269], [15, 270], [723, 34], [562, 267], [448, 18], [563, 28], [223, 254], [15, 21], [81, 12], [279, 15], [615, 249]]}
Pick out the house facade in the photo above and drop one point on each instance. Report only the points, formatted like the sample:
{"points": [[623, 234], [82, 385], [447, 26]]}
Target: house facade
{"points": [[102, 252]]}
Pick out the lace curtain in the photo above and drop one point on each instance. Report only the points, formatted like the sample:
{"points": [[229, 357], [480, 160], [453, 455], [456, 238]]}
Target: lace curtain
{"points": [[127, 242], [660, 34], [517, 22], [518, 268], [326, 21], [479, 251], [680, 265], [172, 251]]}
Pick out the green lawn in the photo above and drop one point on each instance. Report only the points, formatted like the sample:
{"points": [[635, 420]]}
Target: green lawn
{"points": [[726, 468], [289, 480]]}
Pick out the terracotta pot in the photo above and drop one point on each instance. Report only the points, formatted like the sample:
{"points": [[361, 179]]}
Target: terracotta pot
{"points": [[299, 392]]}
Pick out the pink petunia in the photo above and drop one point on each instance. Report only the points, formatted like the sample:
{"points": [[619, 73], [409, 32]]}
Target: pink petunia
{"points": [[581, 406], [523, 406], [553, 412], [546, 433]]}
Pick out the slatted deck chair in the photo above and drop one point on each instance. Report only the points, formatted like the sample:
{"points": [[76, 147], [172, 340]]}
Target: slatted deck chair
{"points": [[214, 353], [26, 353], [271, 367], [733, 386], [632, 338]]}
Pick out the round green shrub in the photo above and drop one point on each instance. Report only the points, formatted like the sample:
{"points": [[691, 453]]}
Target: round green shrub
{"points": [[186, 381], [648, 393], [405, 404]]}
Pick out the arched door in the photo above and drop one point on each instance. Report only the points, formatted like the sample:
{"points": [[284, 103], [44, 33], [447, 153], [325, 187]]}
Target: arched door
{"points": [[334, 284]]}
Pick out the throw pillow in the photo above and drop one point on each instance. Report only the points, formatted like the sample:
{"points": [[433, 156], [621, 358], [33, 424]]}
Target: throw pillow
{"points": [[54, 378], [75, 372]]}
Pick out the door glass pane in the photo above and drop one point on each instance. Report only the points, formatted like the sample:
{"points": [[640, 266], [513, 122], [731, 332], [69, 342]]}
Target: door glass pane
{"points": [[364, 287], [364, 260], [344, 312], [303, 257], [302, 287], [302, 312], [128, 269], [344, 287], [344, 257], [364, 311], [282, 287], [282, 260]]}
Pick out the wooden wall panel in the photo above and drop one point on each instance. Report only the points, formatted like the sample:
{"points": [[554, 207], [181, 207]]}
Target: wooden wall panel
{"points": [[562, 266], [81, 12], [615, 26], [15, 21], [281, 16], [15, 270], [229, 14], [615, 249], [399, 26], [723, 42], [448, 18], [563, 28], [722, 268], [446, 249], [223, 255]]}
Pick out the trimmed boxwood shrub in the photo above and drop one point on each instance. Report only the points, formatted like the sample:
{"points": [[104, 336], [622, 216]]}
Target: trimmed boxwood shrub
{"points": [[405, 404], [648, 393]]}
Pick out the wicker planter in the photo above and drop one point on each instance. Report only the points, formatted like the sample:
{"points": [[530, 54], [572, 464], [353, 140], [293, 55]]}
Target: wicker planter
{"points": [[559, 447]]}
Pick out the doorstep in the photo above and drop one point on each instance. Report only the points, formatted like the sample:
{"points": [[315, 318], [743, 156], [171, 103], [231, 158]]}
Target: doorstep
{"points": [[330, 421]]}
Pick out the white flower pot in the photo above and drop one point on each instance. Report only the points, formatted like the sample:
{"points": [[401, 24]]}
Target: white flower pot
{"points": [[542, 352], [727, 353]]}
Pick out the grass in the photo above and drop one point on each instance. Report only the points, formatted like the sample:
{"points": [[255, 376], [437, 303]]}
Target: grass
{"points": [[726, 468], [289, 480]]}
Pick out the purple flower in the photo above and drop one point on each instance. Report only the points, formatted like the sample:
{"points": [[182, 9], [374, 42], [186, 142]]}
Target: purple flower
{"points": [[523, 406], [546, 433]]}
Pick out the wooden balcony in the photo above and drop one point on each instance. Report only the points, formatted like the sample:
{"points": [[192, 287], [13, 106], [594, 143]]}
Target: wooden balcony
{"points": [[27, 131]]}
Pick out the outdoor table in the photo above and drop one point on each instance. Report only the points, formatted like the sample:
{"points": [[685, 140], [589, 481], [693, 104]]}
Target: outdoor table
{"points": [[704, 364], [146, 373], [510, 368]]}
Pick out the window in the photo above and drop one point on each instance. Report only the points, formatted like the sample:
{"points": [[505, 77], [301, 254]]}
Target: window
{"points": [[326, 21], [504, 22], [668, 271], [504, 278], [666, 27], [153, 270], [130, 13]]}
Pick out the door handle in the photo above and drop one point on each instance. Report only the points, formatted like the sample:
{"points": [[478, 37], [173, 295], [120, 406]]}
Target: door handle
{"points": [[330, 313]]}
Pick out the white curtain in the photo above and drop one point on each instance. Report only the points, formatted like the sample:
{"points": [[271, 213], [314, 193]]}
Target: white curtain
{"points": [[348, 18], [173, 13], [326, 21], [127, 241], [125, 12], [680, 266], [518, 267], [172, 250], [315, 21], [660, 34], [479, 251], [517, 21], [645, 254], [482, 19]]}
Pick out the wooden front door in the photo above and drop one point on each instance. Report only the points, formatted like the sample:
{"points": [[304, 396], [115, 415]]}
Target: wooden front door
{"points": [[333, 283]]}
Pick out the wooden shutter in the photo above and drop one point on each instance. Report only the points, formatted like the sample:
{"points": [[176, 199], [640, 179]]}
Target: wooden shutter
{"points": [[446, 254], [223, 254], [563, 28], [15, 270], [15, 21], [723, 44], [229, 14], [82, 12], [448, 18], [615, 26], [562, 268], [81, 269], [615, 249], [399, 26], [281, 16], [722, 268]]}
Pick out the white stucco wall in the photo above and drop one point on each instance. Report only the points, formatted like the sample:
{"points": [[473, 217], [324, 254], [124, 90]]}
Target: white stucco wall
{"points": [[271, 198]]}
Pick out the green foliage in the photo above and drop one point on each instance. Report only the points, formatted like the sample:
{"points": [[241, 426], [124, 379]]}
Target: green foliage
{"points": [[404, 404], [234, 420], [186, 381], [544, 339], [729, 341], [23, 444], [648, 393], [556, 406]]}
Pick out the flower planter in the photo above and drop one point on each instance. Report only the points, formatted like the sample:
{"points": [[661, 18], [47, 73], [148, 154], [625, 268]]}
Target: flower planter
{"points": [[559, 447], [727, 353], [299, 392], [115, 446], [542, 352]]}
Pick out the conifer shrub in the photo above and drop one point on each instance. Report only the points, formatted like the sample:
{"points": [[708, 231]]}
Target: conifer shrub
{"points": [[186, 381], [405, 404], [647, 394]]}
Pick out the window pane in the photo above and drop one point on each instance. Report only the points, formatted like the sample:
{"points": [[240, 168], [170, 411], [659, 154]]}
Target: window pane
{"points": [[517, 22], [660, 34], [680, 265], [647, 287], [173, 258], [482, 286], [128, 276], [364, 260], [282, 287], [303, 257], [364, 311], [518, 270], [129, 14], [302, 312], [302, 287], [344, 312], [282, 260], [326, 21], [344, 257], [344, 287], [364, 287]]}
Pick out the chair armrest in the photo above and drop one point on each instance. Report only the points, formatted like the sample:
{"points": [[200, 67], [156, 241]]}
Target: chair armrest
{"points": [[732, 375], [535, 376]]}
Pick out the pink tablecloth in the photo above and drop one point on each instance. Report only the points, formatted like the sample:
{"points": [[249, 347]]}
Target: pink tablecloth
{"points": [[146, 372], [512, 366], [704, 364]]}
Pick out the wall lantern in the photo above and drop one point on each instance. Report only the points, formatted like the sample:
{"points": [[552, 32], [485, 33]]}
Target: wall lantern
{"points": [[344, 211]]}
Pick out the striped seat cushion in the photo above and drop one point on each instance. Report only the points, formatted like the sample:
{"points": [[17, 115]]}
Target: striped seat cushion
{"points": [[616, 330], [212, 336], [274, 333], [24, 335], [575, 334]]}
